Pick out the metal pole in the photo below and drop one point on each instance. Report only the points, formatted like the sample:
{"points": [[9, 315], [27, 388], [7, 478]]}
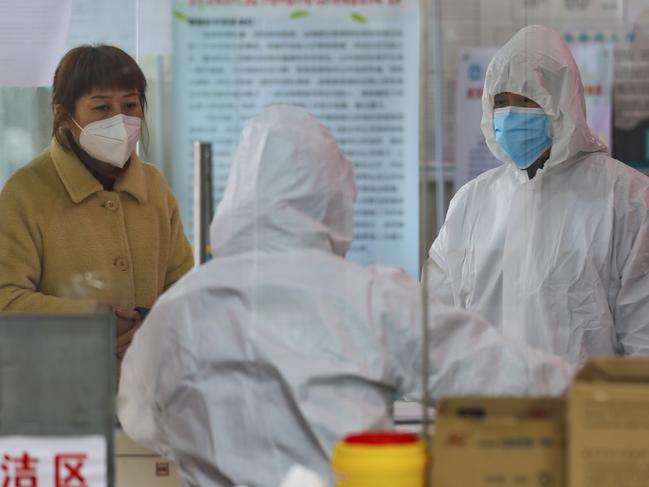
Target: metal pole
{"points": [[424, 19], [433, 27], [160, 158], [138, 19], [438, 108], [203, 201]]}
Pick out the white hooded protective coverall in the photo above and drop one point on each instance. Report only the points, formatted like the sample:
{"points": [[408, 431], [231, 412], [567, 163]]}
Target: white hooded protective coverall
{"points": [[278, 347], [561, 261]]}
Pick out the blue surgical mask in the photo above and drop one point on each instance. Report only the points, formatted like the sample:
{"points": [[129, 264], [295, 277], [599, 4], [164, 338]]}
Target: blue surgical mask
{"points": [[523, 133]]}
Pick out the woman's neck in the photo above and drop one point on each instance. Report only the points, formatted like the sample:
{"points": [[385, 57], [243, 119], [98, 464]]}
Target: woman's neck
{"points": [[88, 161]]}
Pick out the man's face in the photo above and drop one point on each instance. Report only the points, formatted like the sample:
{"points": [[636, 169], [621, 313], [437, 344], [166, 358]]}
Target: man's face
{"points": [[508, 99]]}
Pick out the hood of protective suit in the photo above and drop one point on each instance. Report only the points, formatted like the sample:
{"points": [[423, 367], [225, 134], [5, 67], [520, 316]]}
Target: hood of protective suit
{"points": [[290, 187], [538, 64]]}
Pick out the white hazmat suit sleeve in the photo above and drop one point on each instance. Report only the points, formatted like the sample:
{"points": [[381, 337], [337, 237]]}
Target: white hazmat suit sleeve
{"points": [[439, 282], [466, 354], [632, 303], [155, 353]]}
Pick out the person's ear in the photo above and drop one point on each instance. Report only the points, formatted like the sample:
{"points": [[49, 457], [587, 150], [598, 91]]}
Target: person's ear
{"points": [[61, 114]]}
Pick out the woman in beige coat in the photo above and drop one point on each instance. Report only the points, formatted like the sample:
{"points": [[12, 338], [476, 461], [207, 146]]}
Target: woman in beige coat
{"points": [[87, 210]]}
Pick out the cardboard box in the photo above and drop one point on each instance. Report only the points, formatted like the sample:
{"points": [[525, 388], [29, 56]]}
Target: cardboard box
{"points": [[487, 442], [136, 466], [608, 432]]}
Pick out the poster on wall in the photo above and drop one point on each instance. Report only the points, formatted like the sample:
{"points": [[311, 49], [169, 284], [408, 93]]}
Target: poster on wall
{"points": [[472, 156], [553, 11], [631, 97], [596, 62], [352, 63]]}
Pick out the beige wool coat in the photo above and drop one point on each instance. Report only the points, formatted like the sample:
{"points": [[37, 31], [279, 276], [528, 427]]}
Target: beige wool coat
{"points": [[66, 244]]}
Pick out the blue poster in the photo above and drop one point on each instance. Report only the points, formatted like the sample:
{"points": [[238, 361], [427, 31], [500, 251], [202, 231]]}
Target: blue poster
{"points": [[352, 63]]}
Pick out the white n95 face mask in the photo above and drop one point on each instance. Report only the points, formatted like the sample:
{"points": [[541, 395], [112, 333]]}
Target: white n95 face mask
{"points": [[111, 140]]}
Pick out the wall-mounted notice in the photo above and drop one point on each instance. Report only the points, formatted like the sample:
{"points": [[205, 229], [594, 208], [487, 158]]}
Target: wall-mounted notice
{"points": [[567, 10], [636, 13], [596, 62], [631, 99], [472, 156], [352, 63]]}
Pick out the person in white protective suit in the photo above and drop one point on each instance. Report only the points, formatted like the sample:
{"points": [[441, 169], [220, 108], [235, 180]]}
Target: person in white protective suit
{"points": [[552, 247], [267, 355]]}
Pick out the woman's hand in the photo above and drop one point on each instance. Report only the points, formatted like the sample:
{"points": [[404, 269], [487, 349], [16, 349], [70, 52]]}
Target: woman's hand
{"points": [[128, 321]]}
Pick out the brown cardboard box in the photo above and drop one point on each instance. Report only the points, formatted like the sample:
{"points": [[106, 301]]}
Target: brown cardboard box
{"points": [[608, 432], [487, 442]]}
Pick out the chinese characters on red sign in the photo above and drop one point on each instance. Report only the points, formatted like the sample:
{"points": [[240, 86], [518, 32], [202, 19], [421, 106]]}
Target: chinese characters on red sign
{"points": [[22, 471]]}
